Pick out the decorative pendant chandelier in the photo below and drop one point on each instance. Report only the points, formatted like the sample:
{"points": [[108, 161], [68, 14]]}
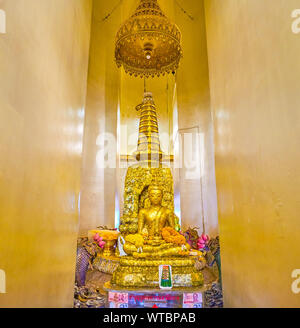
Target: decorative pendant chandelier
{"points": [[148, 43]]}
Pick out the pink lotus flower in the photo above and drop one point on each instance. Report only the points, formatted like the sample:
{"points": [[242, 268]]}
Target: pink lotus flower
{"points": [[205, 237], [96, 237], [202, 241], [101, 244]]}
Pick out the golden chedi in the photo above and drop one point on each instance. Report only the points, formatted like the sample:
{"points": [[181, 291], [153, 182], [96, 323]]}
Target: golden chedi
{"points": [[148, 222], [150, 168]]}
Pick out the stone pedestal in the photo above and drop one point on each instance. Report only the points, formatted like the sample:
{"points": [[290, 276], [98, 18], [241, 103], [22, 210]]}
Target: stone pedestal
{"points": [[143, 273]]}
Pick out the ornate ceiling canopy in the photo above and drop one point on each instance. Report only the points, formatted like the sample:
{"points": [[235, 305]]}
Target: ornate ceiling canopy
{"points": [[148, 43]]}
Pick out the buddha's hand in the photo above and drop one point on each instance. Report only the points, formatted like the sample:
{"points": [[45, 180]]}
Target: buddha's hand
{"points": [[136, 239]]}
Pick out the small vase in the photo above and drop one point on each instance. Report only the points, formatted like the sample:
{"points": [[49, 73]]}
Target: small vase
{"points": [[109, 247]]}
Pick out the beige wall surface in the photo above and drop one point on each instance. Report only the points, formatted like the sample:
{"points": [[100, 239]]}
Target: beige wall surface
{"points": [[254, 74], [198, 197], [43, 64], [98, 184]]}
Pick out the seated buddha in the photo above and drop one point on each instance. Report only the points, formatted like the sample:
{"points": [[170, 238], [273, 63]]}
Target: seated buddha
{"points": [[156, 243], [156, 235]]}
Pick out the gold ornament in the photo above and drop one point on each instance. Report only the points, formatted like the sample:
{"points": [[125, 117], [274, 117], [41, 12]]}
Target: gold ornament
{"points": [[148, 43]]}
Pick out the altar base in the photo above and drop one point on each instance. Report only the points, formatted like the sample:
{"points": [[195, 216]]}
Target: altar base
{"points": [[177, 297], [143, 273]]}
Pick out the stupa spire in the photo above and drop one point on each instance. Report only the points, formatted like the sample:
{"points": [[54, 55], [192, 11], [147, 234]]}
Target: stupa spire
{"points": [[148, 147]]}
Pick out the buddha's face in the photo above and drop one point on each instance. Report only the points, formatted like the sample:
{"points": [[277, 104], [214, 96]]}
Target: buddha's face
{"points": [[155, 196]]}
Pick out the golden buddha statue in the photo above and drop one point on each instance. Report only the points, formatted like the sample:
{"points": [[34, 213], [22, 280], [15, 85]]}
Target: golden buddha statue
{"points": [[156, 243], [157, 216], [150, 241]]}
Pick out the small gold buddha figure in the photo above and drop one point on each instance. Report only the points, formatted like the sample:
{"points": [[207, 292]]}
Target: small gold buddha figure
{"points": [[157, 216]]}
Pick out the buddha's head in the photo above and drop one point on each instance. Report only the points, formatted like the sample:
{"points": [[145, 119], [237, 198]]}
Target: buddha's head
{"points": [[155, 194]]}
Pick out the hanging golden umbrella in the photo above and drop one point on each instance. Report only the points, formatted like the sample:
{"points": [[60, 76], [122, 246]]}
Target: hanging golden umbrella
{"points": [[148, 43]]}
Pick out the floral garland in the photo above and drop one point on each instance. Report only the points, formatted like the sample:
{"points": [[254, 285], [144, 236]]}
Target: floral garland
{"points": [[170, 235]]}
